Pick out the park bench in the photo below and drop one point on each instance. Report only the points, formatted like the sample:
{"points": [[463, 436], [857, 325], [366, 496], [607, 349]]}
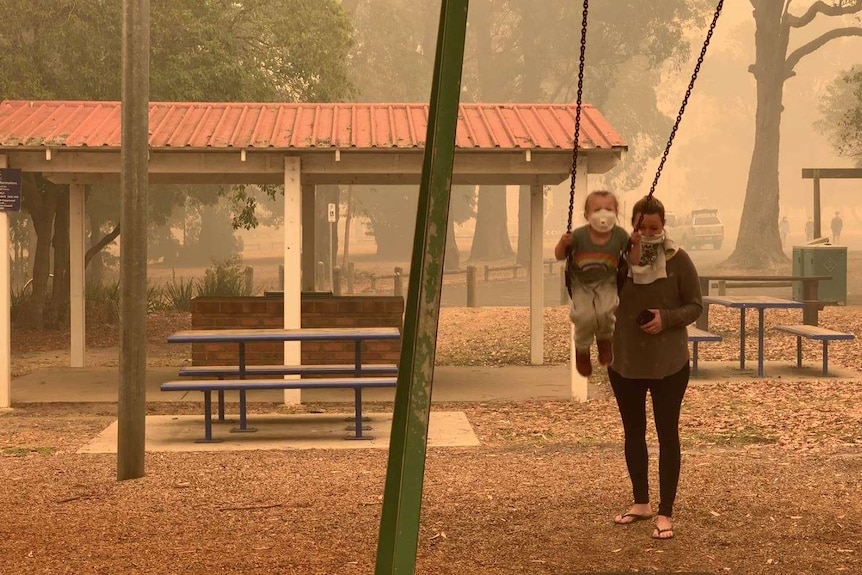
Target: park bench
{"points": [[696, 336], [207, 386], [815, 333], [223, 371]]}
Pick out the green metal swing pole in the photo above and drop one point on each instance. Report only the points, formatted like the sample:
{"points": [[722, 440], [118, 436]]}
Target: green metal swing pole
{"points": [[402, 500]]}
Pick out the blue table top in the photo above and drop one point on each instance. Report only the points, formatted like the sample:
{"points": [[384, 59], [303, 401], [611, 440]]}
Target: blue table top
{"points": [[753, 301], [298, 334]]}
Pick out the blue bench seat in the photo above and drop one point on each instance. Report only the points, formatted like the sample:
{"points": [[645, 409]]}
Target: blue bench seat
{"points": [[207, 386], [696, 336], [815, 333]]}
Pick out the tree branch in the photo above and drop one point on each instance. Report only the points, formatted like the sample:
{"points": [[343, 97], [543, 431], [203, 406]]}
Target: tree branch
{"points": [[821, 7], [101, 244], [795, 56]]}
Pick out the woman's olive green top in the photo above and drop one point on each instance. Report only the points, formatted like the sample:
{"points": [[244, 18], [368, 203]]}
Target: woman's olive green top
{"points": [[639, 355]]}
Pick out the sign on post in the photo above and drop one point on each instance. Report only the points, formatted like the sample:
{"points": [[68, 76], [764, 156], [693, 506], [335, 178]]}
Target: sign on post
{"points": [[331, 214], [10, 190]]}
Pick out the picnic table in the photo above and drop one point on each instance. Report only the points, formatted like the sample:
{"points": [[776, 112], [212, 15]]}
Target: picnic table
{"points": [[761, 304], [243, 337]]}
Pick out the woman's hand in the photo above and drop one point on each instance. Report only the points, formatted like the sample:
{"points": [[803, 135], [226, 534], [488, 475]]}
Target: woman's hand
{"points": [[654, 326]]}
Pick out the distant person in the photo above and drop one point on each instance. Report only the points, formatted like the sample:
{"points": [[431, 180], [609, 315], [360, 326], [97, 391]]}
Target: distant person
{"points": [[809, 230], [659, 299], [783, 229], [837, 226], [594, 250]]}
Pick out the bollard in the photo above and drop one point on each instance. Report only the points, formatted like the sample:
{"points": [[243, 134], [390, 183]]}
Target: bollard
{"points": [[722, 287], [350, 275], [471, 286], [336, 280], [281, 277], [373, 283], [487, 272], [399, 282], [249, 280], [318, 278]]}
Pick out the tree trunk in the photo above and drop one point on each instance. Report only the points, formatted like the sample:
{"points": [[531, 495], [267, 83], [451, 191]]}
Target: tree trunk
{"points": [[758, 245], [523, 257], [58, 309], [39, 199], [452, 259], [491, 239]]}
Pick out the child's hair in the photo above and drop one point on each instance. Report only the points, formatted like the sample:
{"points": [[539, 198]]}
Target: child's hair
{"points": [[601, 194], [647, 206]]}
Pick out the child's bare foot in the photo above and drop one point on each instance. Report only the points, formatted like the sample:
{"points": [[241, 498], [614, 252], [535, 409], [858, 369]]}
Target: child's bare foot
{"points": [[663, 527], [637, 512]]}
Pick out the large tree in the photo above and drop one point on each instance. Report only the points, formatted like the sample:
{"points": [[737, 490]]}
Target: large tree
{"points": [[758, 245], [218, 50]]}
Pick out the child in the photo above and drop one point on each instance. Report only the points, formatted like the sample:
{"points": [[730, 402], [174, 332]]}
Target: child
{"points": [[595, 250]]}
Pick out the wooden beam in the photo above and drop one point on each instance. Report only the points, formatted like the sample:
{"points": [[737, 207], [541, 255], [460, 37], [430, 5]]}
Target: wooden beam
{"points": [[831, 173]]}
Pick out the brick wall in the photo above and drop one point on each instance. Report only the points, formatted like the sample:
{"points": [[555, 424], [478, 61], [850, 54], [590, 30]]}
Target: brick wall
{"points": [[317, 311]]}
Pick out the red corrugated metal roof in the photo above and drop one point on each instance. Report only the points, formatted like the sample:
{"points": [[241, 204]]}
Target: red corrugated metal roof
{"points": [[201, 125]]}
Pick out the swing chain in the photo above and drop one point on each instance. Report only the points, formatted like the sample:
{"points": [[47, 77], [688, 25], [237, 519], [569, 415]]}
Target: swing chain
{"points": [[685, 99], [578, 113]]}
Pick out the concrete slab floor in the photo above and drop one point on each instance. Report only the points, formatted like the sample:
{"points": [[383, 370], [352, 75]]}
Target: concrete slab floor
{"points": [[178, 433]]}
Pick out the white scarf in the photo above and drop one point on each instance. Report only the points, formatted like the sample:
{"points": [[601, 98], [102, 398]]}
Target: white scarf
{"points": [[653, 261]]}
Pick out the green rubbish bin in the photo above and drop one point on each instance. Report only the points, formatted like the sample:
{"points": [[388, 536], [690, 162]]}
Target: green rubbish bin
{"points": [[822, 260]]}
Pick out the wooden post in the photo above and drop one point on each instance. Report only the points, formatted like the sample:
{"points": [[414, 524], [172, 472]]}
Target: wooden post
{"points": [[336, 280], [399, 285], [5, 311], [811, 299], [722, 287], [703, 321], [249, 279], [281, 277], [487, 272], [816, 204], [318, 278], [134, 181], [471, 286], [351, 274]]}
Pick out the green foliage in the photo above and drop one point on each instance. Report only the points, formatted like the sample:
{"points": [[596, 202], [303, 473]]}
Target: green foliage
{"points": [[224, 278], [841, 111], [103, 301], [21, 297], [178, 294]]}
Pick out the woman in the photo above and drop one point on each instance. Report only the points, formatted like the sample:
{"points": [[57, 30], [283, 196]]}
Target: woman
{"points": [[658, 300]]}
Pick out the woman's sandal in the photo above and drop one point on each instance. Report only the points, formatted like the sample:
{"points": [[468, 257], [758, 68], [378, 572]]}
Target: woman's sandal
{"points": [[635, 517], [660, 533]]}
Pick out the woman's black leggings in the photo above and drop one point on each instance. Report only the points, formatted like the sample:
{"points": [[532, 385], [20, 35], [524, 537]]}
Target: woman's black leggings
{"points": [[667, 397]]}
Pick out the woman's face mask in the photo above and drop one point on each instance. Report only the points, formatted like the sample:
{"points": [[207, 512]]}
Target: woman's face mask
{"points": [[603, 220], [650, 246]]}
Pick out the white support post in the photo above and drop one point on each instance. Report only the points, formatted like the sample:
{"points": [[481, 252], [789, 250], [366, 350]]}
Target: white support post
{"points": [[5, 313], [579, 382], [537, 276], [292, 266], [77, 274]]}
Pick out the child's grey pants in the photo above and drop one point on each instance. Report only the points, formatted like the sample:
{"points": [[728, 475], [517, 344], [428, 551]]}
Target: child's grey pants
{"points": [[592, 311]]}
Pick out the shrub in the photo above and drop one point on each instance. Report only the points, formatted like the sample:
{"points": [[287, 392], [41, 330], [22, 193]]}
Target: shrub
{"points": [[224, 278], [178, 294]]}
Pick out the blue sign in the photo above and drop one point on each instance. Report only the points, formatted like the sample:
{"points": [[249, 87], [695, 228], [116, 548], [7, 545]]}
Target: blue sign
{"points": [[10, 190]]}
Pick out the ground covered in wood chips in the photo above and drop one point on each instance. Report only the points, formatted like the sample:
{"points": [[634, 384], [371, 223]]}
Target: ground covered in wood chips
{"points": [[771, 479]]}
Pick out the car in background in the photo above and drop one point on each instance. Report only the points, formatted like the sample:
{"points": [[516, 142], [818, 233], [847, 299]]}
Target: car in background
{"points": [[701, 228]]}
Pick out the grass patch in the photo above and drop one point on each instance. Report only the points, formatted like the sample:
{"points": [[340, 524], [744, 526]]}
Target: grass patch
{"points": [[25, 451]]}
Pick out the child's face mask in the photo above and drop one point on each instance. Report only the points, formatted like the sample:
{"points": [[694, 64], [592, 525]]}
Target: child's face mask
{"points": [[603, 220]]}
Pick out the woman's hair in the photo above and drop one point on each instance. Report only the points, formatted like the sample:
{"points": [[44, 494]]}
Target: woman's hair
{"points": [[601, 194], [647, 206]]}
